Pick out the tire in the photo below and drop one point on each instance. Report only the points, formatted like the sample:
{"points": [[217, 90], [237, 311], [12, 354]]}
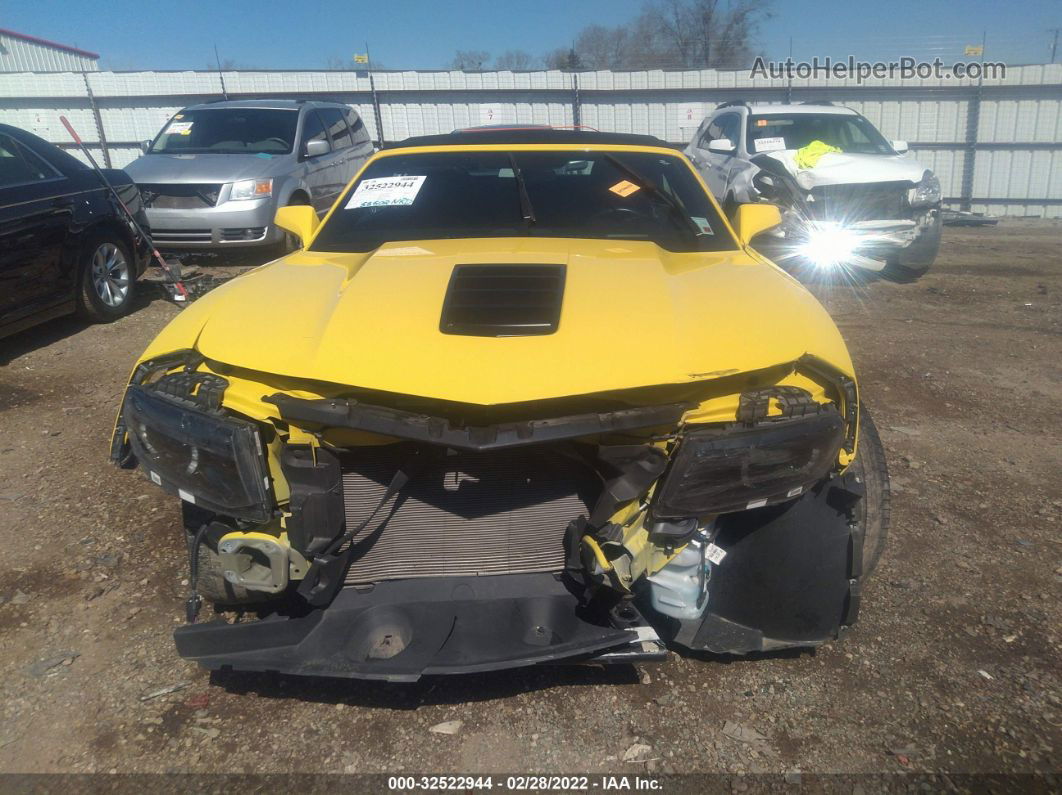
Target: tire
{"points": [[106, 278], [213, 586], [876, 506]]}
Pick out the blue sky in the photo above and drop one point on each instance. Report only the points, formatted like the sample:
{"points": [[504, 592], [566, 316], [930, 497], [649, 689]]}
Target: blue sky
{"points": [[142, 34]]}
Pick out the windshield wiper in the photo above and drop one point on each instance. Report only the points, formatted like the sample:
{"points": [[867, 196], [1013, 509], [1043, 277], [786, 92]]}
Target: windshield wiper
{"points": [[526, 209], [678, 211]]}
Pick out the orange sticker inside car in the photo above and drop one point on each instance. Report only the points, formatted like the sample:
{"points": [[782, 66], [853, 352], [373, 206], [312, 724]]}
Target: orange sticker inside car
{"points": [[761, 122], [624, 188]]}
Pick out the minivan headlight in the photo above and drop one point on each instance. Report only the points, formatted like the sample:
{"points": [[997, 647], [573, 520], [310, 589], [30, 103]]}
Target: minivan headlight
{"points": [[251, 189], [723, 469]]}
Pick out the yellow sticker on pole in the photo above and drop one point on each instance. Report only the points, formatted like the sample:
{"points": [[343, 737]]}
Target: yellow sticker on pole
{"points": [[624, 188]]}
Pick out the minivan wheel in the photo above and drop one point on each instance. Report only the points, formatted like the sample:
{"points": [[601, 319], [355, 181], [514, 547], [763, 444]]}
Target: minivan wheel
{"points": [[106, 279]]}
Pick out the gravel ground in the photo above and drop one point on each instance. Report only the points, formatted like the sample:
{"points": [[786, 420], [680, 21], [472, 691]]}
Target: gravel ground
{"points": [[954, 665]]}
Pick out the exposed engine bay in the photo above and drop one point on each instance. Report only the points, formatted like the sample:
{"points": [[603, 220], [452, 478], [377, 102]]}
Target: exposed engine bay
{"points": [[596, 534]]}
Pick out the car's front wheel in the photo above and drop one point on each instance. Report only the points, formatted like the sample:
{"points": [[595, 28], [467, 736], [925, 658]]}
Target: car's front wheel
{"points": [[106, 278], [875, 508]]}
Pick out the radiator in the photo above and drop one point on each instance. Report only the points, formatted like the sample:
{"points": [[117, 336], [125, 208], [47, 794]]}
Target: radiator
{"points": [[464, 513]]}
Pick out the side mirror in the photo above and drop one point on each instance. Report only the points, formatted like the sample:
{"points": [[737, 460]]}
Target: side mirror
{"points": [[144, 146], [315, 148], [900, 146], [299, 219], [751, 219], [721, 146]]}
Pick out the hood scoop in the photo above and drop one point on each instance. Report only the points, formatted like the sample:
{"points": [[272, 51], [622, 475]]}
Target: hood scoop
{"points": [[503, 300]]}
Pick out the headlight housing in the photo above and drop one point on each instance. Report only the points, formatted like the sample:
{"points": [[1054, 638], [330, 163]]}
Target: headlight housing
{"points": [[251, 189], [206, 458], [724, 469], [925, 192]]}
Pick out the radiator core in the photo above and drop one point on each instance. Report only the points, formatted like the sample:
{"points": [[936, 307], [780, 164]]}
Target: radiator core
{"points": [[464, 513]]}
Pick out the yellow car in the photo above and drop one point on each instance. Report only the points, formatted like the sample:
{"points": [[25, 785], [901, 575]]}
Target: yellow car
{"points": [[523, 396]]}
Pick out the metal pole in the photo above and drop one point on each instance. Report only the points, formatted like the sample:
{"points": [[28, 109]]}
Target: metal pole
{"points": [[375, 99], [577, 112], [99, 121], [973, 119], [789, 81], [221, 76], [1054, 42]]}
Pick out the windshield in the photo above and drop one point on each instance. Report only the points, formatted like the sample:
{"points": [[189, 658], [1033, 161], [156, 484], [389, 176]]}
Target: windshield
{"points": [[795, 131], [229, 131], [606, 195]]}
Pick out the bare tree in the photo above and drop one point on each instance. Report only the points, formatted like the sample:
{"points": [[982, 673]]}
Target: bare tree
{"points": [[600, 47], [516, 61], [707, 33], [470, 60], [691, 34]]}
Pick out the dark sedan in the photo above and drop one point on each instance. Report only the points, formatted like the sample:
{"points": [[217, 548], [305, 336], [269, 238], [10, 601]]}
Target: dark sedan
{"points": [[65, 244]]}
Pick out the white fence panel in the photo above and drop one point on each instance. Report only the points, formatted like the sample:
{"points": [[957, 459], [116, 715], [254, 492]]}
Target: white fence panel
{"points": [[1010, 162]]}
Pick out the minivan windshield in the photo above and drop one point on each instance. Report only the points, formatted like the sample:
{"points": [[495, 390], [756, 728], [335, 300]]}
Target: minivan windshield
{"points": [[614, 195], [849, 133], [229, 131]]}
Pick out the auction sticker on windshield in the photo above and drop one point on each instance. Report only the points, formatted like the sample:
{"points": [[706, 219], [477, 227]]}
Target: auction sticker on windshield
{"points": [[775, 144], [385, 192], [180, 128]]}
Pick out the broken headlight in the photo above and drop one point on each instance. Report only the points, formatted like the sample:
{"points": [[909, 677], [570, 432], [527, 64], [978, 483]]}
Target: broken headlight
{"points": [[925, 192], [724, 469], [206, 458]]}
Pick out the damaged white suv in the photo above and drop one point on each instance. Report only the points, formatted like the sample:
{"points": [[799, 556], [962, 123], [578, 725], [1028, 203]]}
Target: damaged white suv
{"points": [[849, 197]]}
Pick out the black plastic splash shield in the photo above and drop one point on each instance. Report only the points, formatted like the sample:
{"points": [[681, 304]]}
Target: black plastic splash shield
{"points": [[789, 578], [403, 629]]}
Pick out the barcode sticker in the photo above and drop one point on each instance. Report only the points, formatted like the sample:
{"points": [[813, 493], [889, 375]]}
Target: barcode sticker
{"points": [[386, 192], [180, 128], [773, 144], [715, 554]]}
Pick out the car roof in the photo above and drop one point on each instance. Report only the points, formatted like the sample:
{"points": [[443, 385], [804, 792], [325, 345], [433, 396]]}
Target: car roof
{"points": [[529, 135], [270, 104], [765, 109]]}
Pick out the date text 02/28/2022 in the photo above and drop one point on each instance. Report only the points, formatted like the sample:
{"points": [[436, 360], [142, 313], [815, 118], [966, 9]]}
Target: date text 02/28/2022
{"points": [[523, 783]]}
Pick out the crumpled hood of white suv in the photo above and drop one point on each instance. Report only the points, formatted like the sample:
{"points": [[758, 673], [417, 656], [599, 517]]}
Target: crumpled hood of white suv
{"points": [[842, 168]]}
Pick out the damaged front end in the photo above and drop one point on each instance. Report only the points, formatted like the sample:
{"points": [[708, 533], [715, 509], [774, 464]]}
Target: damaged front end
{"points": [[840, 222], [387, 537]]}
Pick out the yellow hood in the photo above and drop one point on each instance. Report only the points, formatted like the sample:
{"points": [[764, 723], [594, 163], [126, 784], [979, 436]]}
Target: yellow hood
{"points": [[632, 315]]}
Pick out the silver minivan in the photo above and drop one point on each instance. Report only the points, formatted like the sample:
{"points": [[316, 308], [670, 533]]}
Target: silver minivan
{"points": [[216, 173]]}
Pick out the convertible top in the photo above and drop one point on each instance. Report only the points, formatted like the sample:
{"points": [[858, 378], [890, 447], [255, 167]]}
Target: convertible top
{"points": [[529, 135]]}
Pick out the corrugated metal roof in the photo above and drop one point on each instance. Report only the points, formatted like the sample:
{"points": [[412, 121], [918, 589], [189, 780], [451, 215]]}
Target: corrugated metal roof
{"points": [[20, 52]]}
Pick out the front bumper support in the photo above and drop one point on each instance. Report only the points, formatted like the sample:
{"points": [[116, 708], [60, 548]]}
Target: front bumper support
{"points": [[403, 629]]}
